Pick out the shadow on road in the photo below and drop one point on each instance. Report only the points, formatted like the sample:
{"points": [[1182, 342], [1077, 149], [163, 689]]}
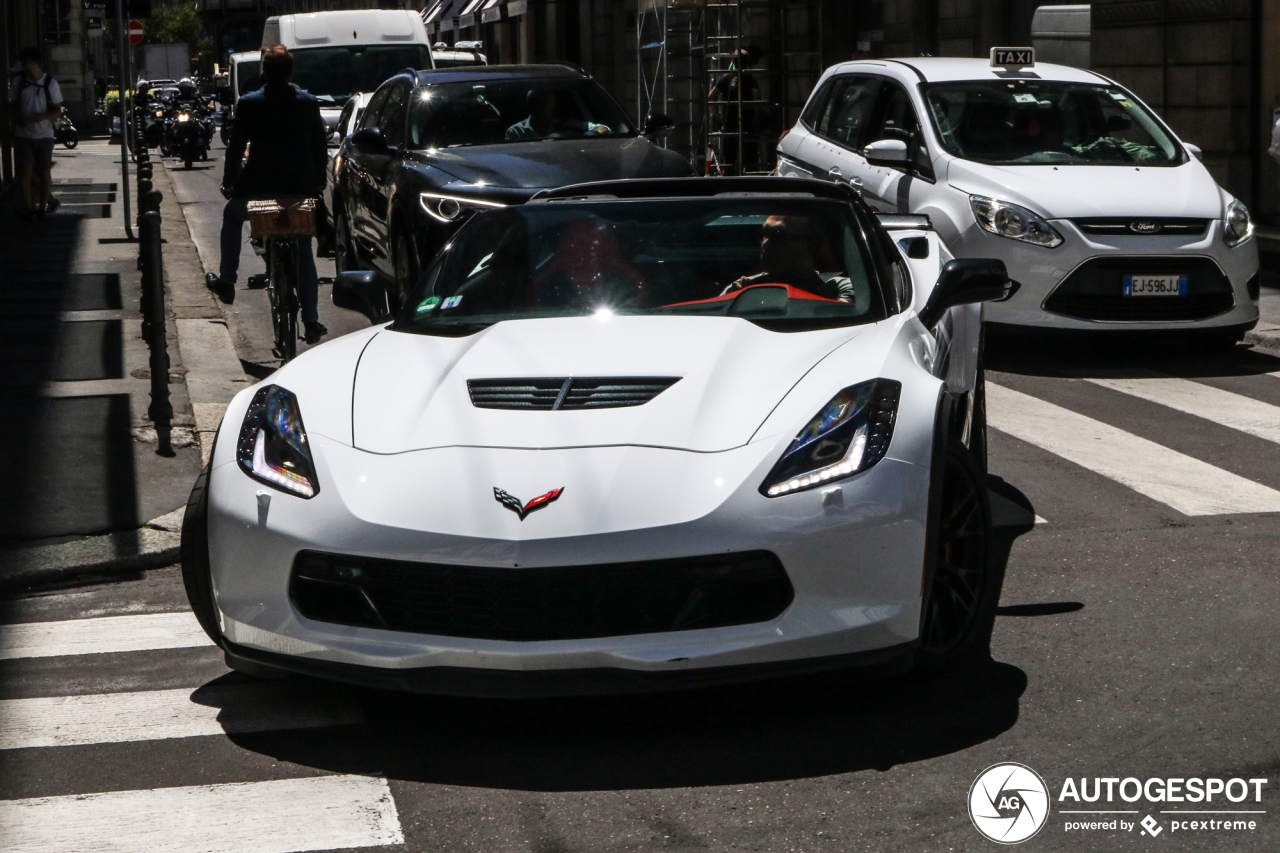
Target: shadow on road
{"points": [[1117, 355]]}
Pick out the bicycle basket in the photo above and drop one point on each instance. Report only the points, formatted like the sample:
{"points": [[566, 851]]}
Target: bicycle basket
{"points": [[282, 218]]}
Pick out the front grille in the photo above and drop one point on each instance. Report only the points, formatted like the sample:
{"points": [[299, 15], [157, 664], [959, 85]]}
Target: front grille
{"points": [[574, 392], [1095, 290], [558, 603], [1140, 226]]}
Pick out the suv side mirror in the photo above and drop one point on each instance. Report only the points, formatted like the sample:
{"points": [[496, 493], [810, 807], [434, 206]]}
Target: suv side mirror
{"points": [[369, 137], [886, 152], [360, 291], [965, 281], [658, 125]]}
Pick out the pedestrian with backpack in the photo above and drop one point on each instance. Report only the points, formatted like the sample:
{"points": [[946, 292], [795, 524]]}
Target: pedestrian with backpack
{"points": [[35, 102]]}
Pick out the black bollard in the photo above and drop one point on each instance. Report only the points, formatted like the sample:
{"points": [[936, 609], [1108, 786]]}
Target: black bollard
{"points": [[161, 409]]}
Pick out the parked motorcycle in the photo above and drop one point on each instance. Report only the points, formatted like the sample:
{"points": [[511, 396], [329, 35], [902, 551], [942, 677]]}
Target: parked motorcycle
{"points": [[65, 132]]}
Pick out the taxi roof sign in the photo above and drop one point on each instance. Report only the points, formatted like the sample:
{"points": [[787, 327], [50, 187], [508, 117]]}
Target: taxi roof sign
{"points": [[1013, 57]]}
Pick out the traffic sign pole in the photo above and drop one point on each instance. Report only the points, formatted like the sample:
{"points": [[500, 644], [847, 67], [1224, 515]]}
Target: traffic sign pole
{"points": [[124, 127]]}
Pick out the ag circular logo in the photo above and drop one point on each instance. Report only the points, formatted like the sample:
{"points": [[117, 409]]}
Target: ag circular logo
{"points": [[1008, 803]]}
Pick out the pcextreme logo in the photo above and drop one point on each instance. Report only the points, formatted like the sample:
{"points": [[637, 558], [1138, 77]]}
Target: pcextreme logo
{"points": [[1009, 803]]}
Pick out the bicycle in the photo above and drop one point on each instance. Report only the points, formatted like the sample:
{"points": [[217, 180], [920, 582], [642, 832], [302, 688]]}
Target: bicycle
{"points": [[281, 223]]}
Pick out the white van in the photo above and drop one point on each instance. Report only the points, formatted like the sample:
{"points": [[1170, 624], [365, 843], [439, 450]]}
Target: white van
{"points": [[1107, 219], [337, 54]]}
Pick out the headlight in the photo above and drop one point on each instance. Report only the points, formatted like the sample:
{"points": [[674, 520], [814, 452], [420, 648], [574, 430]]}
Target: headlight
{"points": [[273, 444], [450, 208], [159, 113], [1236, 226], [183, 117], [1017, 223], [849, 435]]}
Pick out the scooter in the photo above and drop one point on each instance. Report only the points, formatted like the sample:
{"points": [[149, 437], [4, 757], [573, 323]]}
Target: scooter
{"points": [[65, 132]]}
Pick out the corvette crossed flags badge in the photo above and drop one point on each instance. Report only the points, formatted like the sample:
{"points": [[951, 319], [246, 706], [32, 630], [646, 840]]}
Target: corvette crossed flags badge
{"points": [[512, 502]]}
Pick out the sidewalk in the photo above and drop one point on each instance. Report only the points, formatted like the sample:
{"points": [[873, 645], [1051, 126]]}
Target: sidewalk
{"points": [[1267, 334], [85, 488]]}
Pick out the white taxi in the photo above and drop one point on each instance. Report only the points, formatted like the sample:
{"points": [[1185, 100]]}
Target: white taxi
{"points": [[1107, 219]]}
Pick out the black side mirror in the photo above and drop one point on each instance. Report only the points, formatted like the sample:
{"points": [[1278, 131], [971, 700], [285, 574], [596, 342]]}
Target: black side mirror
{"points": [[369, 137], [658, 125], [360, 291], [965, 281]]}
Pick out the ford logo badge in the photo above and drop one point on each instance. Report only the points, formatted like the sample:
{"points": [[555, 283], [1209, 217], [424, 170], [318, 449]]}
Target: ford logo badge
{"points": [[1145, 227]]}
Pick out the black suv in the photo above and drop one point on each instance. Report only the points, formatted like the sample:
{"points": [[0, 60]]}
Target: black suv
{"points": [[434, 146]]}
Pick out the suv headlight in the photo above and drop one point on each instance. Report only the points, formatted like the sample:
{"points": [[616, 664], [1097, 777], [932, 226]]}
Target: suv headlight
{"points": [[452, 208], [1014, 222], [273, 444], [849, 435], [1236, 225]]}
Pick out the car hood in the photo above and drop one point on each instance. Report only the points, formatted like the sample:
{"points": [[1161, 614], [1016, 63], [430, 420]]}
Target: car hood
{"points": [[1068, 192], [556, 163], [411, 390]]}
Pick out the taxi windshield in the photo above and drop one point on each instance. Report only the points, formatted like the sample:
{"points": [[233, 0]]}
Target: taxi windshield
{"points": [[1047, 122], [789, 264]]}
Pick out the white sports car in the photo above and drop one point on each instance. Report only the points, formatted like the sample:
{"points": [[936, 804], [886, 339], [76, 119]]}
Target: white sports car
{"points": [[627, 436]]}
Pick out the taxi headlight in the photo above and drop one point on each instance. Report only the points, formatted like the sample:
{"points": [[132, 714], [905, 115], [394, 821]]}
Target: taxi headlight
{"points": [[1236, 226], [1014, 222], [273, 444], [850, 434], [452, 208]]}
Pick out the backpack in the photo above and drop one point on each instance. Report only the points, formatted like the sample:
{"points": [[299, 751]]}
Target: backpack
{"points": [[43, 83]]}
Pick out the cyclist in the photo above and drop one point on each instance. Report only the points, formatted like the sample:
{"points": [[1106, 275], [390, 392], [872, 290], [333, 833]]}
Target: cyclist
{"points": [[286, 138]]}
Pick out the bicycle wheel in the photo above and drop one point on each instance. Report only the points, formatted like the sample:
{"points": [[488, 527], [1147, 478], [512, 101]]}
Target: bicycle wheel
{"points": [[287, 294], [276, 285]]}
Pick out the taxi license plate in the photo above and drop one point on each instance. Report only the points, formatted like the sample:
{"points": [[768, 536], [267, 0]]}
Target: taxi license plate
{"points": [[1155, 285]]}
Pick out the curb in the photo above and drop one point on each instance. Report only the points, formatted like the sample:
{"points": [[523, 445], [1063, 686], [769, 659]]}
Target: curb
{"points": [[1266, 340], [152, 546]]}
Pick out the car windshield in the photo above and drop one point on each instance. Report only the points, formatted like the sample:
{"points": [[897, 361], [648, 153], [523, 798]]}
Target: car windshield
{"points": [[334, 74], [786, 263], [1047, 122], [492, 112]]}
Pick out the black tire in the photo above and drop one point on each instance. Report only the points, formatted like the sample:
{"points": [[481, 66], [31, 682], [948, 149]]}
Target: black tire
{"points": [[1217, 342], [186, 160], [284, 302], [224, 133], [70, 140], [196, 576], [978, 423], [405, 262], [962, 584]]}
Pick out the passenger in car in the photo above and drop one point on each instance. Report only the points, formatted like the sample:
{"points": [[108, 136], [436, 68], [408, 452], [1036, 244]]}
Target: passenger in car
{"points": [[788, 247], [547, 118]]}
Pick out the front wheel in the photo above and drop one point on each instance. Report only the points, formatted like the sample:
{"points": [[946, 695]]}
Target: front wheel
{"points": [[283, 294], [196, 577], [342, 256], [70, 140], [186, 160], [962, 585]]}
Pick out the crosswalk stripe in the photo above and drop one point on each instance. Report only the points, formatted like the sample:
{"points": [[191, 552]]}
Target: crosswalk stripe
{"points": [[1185, 483], [101, 635], [1204, 401], [279, 816], [160, 714]]}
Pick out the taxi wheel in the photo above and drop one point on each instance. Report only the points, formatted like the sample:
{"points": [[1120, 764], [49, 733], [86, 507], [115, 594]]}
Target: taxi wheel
{"points": [[962, 586]]}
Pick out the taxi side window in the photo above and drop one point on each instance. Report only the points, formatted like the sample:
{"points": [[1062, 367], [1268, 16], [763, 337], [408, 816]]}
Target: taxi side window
{"points": [[852, 102], [896, 119]]}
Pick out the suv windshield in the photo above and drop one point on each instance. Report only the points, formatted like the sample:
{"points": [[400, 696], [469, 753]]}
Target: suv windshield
{"points": [[491, 112], [788, 264], [1047, 122], [334, 74]]}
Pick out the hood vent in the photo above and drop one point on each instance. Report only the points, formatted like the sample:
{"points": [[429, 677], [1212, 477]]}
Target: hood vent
{"points": [[573, 392]]}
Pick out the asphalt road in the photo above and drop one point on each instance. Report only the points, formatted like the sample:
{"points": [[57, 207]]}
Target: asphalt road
{"points": [[249, 317], [1136, 493]]}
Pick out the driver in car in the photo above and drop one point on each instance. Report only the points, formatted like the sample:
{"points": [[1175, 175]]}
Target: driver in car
{"points": [[546, 120], [788, 245]]}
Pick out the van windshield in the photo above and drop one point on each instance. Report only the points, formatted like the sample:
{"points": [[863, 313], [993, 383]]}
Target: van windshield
{"points": [[1047, 122], [247, 77], [334, 74]]}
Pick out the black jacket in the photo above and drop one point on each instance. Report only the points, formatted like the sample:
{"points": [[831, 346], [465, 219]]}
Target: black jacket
{"points": [[288, 154]]}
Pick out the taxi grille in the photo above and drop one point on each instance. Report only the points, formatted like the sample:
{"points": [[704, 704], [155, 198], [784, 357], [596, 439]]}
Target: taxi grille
{"points": [[1095, 290], [1164, 226], [528, 604], [573, 392]]}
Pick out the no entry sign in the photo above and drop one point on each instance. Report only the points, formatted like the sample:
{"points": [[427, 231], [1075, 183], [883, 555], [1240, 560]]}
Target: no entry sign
{"points": [[135, 32]]}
